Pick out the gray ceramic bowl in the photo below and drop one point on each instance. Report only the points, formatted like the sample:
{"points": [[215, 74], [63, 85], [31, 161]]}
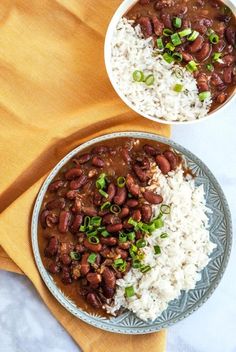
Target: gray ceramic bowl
{"points": [[188, 302]]}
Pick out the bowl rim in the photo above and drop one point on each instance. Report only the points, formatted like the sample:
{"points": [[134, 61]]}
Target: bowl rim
{"points": [[120, 11], [69, 304]]}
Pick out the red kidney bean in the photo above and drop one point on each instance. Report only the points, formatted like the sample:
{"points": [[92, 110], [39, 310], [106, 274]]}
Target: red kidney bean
{"points": [[81, 237], [206, 21], [52, 247], [158, 26], [186, 24], [90, 211], [77, 207], [221, 98], [146, 211], [76, 223], [132, 186], [204, 53], [186, 56], [107, 291], [100, 149], [200, 3], [109, 278], [72, 194], [92, 173], [94, 300], [58, 203], [79, 248], [51, 220], [75, 271], [65, 259], [124, 245], [92, 246], [166, 19], [65, 276], [196, 45], [162, 4], [103, 212], [106, 252], [94, 278], [136, 215], [114, 228], [85, 266], [64, 219], [143, 162], [228, 75], [163, 164], [78, 182], [144, 2], [124, 212], [150, 150], [122, 253], [126, 225], [125, 155], [215, 79], [132, 203], [53, 268], [146, 26], [221, 87], [66, 247], [172, 158], [142, 175], [120, 197], [202, 82], [73, 173], [111, 191], [152, 197], [55, 185], [82, 159], [230, 35], [97, 198], [96, 161], [180, 10], [43, 217], [109, 241], [219, 46], [110, 219]]}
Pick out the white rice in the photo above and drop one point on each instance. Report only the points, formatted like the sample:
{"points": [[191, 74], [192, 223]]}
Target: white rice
{"points": [[184, 253], [130, 52]]}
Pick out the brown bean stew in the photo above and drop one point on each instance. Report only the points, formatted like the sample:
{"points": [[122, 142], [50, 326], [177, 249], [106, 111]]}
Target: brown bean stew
{"points": [[87, 228], [199, 34]]}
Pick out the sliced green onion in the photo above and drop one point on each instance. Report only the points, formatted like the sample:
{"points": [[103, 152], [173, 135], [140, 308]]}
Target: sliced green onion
{"points": [[130, 195], [103, 193], [209, 31], [164, 235], [165, 209], [141, 243], [177, 57], [122, 267], [105, 206], [93, 239], [96, 221], [210, 67], [185, 32], [160, 44], [101, 181], [75, 255], [168, 58], [82, 228], [204, 95], [86, 224], [214, 38], [131, 221], [133, 250], [115, 209], [131, 236], [92, 233], [157, 249], [118, 262], [170, 47], [216, 57], [193, 36], [145, 268], [158, 223], [177, 22], [191, 66], [178, 87], [91, 258], [121, 181], [136, 264], [105, 233], [138, 76], [149, 80], [167, 32], [129, 291], [175, 38], [178, 72], [122, 237]]}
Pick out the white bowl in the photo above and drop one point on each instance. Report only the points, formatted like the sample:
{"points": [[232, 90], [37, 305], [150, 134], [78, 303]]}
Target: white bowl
{"points": [[121, 10]]}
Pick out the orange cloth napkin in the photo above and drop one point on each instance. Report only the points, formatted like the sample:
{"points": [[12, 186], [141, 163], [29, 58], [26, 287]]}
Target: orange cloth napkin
{"points": [[55, 94]]}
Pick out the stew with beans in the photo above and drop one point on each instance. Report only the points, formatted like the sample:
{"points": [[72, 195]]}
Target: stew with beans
{"points": [[87, 227], [199, 34]]}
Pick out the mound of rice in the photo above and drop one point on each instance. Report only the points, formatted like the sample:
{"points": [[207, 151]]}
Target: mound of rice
{"points": [[184, 253], [130, 52]]}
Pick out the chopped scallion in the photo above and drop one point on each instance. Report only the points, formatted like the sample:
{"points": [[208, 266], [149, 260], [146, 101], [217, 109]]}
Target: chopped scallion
{"points": [[216, 57], [131, 236], [136, 264], [160, 44], [75, 256], [141, 243], [96, 221], [105, 233], [175, 38], [122, 237], [145, 268], [164, 235], [185, 32], [168, 58], [165, 209], [149, 80], [105, 206], [191, 66], [91, 258], [177, 57], [178, 87], [210, 67], [214, 38], [204, 95], [101, 181], [177, 22], [138, 76], [129, 291], [157, 249], [115, 209], [193, 36], [103, 193], [121, 181], [93, 239], [170, 47], [167, 32]]}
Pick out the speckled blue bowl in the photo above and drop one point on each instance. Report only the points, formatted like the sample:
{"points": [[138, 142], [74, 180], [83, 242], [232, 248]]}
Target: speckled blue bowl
{"points": [[188, 302]]}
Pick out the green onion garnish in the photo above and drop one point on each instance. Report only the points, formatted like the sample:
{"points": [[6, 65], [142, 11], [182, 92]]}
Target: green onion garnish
{"points": [[103, 193], [168, 58], [141, 243], [210, 67], [158, 223], [131, 236], [105, 205], [177, 22], [191, 66], [121, 181], [149, 80], [136, 264], [160, 44], [165, 209], [193, 36], [145, 268], [209, 31], [92, 233], [92, 257], [216, 57], [185, 32], [133, 250], [96, 221], [105, 233], [157, 249], [93, 239], [214, 38], [122, 237], [75, 255], [177, 57], [164, 235], [178, 87], [86, 224], [175, 38], [170, 47], [118, 262], [178, 72], [204, 95], [138, 76], [167, 32], [101, 181], [131, 221], [129, 291], [115, 209]]}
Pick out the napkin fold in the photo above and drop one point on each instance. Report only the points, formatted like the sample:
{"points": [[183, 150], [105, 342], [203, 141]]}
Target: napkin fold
{"points": [[54, 95]]}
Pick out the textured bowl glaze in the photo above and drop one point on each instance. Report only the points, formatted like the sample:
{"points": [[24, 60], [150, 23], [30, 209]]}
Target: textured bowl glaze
{"points": [[188, 302]]}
